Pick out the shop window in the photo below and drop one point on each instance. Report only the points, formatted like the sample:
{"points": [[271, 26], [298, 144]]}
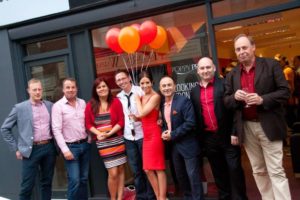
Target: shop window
{"points": [[229, 7], [51, 73], [46, 46], [185, 43], [274, 33]]}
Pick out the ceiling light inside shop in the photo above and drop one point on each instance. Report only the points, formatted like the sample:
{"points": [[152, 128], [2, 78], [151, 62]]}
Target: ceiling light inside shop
{"points": [[231, 28]]}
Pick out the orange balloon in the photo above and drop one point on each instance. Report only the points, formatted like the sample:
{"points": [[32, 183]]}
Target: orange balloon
{"points": [[129, 39], [159, 40]]}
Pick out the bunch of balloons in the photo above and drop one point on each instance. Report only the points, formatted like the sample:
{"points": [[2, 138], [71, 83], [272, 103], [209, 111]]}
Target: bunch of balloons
{"points": [[131, 38]]}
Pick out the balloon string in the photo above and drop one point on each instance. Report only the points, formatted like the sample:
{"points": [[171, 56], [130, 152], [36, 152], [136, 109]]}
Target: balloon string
{"points": [[124, 61], [149, 59], [136, 66], [143, 57], [132, 68]]}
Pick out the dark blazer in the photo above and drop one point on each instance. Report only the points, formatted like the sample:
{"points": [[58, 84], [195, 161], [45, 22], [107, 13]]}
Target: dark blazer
{"points": [[224, 116], [270, 84], [183, 136], [21, 116]]}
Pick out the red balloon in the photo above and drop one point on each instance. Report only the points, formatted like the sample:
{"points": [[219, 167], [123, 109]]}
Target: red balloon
{"points": [[148, 31], [112, 41], [136, 26]]}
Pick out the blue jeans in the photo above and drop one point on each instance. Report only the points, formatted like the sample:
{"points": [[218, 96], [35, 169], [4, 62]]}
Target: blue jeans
{"points": [[188, 175], [78, 171], [42, 157], [134, 155]]}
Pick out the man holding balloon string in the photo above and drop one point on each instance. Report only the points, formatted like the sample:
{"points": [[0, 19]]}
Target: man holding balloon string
{"points": [[133, 134], [129, 40]]}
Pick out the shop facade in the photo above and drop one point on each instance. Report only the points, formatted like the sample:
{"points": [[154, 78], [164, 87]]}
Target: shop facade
{"points": [[72, 44]]}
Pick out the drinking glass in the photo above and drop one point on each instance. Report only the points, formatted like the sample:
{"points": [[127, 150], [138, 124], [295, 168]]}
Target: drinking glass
{"points": [[246, 90]]}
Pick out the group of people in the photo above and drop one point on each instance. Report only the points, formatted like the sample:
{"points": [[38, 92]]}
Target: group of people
{"points": [[134, 126]]}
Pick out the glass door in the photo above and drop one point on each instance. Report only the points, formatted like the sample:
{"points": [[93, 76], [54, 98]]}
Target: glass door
{"points": [[52, 71]]}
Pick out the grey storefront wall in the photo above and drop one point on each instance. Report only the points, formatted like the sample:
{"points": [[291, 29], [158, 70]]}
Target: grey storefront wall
{"points": [[75, 24]]}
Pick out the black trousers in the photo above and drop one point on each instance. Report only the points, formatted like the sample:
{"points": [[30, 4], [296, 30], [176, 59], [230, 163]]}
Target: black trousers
{"points": [[225, 162]]}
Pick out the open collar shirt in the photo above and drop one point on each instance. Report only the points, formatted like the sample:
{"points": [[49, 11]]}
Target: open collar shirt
{"points": [[167, 113], [68, 122], [136, 90], [208, 107]]}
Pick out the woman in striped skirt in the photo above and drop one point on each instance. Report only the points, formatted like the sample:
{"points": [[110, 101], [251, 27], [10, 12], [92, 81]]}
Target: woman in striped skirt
{"points": [[105, 119]]}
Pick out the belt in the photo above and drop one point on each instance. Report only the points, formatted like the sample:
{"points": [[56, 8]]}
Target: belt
{"points": [[78, 141], [42, 142]]}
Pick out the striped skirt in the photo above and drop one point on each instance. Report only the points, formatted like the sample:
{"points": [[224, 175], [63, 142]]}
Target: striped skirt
{"points": [[112, 151]]}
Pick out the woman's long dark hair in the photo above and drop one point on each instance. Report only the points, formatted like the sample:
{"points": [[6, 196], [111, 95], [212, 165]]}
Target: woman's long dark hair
{"points": [[95, 102], [147, 74]]}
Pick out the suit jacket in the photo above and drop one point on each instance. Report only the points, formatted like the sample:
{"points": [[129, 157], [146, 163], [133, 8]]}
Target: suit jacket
{"points": [[224, 116], [183, 126], [21, 116], [270, 84]]}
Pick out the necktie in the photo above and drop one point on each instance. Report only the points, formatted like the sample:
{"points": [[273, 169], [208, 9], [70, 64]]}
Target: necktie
{"points": [[128, 106], [128, 99]]}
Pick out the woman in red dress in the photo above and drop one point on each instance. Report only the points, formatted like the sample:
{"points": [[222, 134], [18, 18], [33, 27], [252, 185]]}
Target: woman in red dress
{"points": [[105, 119], [153, 147]]}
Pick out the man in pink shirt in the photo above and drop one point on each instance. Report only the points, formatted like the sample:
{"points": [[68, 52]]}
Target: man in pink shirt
{"points": [[179, 131], [34, 145], [68, 127]]}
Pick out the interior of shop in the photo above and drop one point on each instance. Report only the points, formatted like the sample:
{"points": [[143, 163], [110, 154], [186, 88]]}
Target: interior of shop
{"points": [[277, 33]]}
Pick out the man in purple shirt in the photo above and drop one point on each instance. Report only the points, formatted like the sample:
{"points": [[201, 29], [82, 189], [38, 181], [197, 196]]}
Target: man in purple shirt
{"points": [[69, 131], [34, 145]]}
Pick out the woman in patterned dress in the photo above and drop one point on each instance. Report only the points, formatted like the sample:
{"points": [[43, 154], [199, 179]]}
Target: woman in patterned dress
{"points": [[105, 119]]}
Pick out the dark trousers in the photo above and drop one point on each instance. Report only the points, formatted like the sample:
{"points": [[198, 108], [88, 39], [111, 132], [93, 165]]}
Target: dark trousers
{"points": [[42, 157], [78, 171], [225, 162], [290, 115], [134, 155], [188, 175]]}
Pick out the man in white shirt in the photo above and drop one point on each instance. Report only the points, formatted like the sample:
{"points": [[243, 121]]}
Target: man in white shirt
{"points": [[133, 134]]}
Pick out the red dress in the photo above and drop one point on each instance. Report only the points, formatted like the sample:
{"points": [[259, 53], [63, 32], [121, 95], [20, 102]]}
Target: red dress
{"points": [[153, 147]]}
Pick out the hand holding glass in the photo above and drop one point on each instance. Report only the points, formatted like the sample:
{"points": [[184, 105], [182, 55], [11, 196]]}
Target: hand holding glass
{"points": [[131, 119], [246, 90]]}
